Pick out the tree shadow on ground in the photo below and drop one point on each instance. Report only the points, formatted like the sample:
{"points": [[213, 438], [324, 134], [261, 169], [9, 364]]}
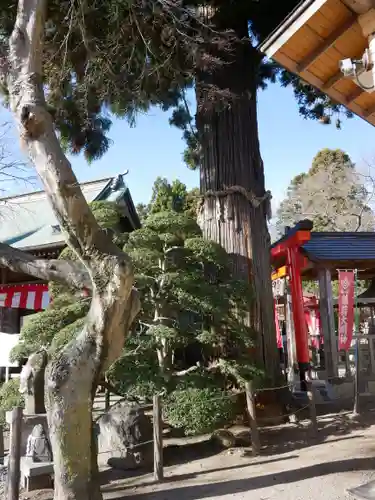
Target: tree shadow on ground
{"points": [[195, 492], [172, 455], [274, 441], [290, 437]]}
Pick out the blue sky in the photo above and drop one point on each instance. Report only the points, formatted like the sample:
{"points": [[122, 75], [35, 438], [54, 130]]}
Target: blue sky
{"points": [[288, 144]]}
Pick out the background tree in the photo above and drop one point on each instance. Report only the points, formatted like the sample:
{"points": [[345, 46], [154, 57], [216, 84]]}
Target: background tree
{"points": [[332, 194], [170, 196]]}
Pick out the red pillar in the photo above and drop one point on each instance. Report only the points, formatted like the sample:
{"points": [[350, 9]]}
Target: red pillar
{"points": [[302, 345]]}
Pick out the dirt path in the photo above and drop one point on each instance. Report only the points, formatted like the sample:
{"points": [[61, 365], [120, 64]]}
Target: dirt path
{"points": [[293, 468]]}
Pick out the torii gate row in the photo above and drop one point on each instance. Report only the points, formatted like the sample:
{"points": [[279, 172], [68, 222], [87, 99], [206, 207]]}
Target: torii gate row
{"points": [[288, 249]]}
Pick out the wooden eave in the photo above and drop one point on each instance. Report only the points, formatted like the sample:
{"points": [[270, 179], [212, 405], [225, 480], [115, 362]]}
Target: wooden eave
{"points": [[312, 41]]}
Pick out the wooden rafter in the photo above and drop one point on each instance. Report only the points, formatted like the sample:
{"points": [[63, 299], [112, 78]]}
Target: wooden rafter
{"points": [[332, 80], [353, 96], [369, 111], [326, 44]]}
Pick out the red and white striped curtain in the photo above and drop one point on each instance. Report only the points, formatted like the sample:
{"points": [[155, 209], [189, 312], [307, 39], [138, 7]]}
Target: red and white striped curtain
{"points": [[29, 296]]}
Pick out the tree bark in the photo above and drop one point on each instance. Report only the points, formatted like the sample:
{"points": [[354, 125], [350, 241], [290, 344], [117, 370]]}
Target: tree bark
{"points": [[73, 374], [235, 204], [73, 274]]}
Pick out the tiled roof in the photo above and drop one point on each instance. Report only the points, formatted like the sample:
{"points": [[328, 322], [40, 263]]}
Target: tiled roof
{"points": [[341, 246], [27, 221]]}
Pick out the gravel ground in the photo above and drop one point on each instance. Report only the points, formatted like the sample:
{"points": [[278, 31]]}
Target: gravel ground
{"points": [[290, 468]]}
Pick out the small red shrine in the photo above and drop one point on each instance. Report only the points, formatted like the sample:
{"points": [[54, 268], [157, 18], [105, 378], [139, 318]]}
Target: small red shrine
{"points": [[303, 254]]}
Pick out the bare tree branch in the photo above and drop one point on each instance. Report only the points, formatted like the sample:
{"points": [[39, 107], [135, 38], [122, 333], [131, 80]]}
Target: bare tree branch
{"points": [[70, 273]]}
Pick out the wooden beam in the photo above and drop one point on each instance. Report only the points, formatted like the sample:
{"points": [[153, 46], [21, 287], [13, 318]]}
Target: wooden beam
{"points": [[328, 322], [326, 44], [290, 26], [282, 271], [298, 239], [336, 95], [353, 96], [331, 81], [369, 111], [279, 273], [358, 6]]}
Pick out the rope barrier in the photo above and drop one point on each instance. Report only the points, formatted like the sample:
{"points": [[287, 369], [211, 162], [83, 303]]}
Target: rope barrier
{"points": [[284, 415], [130, 447], [290, 384]]}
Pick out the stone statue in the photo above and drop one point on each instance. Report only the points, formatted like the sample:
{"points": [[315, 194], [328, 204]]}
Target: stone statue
{"points": [[38, 447], [32, 382]]}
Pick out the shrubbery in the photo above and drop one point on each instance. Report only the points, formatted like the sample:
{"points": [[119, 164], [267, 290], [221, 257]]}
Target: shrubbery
{"points": [[198, 411]]}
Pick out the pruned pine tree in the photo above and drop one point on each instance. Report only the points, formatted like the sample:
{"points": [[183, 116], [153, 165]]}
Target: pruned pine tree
{"points": [[187, 340], [191, 334]]}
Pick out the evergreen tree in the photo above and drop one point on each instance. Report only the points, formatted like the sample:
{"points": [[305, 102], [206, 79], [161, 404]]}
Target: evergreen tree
{"points": [[170, 196], [222, 141]]}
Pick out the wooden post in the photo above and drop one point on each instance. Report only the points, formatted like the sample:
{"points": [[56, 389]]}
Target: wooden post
{"points": [[356, 408], [328, 323], [13, 481], [348, 372], [158, 440], [107, 399], [291, 341], [1, 444], [311, 396], [255, 440]]}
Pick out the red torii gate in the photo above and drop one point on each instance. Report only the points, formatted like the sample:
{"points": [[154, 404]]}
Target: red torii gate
{"points": [[288, 249]]}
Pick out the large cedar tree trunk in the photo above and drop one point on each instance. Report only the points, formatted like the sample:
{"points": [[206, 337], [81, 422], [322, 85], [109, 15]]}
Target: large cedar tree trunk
{"points": [[228, 133], [73, 373]]}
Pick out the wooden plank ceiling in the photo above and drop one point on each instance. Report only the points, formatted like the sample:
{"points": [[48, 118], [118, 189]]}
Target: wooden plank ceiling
{"points": [[313, 44]]}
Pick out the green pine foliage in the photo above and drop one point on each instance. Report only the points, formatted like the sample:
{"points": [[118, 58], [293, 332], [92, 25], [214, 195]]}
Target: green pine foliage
{"points": [[191, 344], [198, 411], [170, 196], [120, 58]]}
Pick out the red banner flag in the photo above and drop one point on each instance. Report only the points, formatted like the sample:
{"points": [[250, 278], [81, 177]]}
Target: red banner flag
{"points": [[346, 309]]}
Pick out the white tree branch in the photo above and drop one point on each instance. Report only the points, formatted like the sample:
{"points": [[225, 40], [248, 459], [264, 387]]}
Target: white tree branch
{"points": [[113, 304], [67, 272]]}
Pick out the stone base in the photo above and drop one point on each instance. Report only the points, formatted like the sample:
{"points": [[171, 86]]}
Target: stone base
{"points": [[36, 475]]}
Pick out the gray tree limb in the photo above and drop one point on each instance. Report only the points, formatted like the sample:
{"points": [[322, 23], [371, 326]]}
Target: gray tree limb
{"points": [[69, 273]]}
